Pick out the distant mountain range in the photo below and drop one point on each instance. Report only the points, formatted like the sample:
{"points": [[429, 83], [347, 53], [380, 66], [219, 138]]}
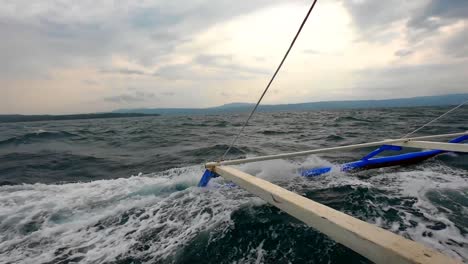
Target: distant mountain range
{"points": [[437, 100], [33, 118]]}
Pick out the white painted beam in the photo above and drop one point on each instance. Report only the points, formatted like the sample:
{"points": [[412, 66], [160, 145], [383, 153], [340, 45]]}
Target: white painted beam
{"points": [[456, 147], [372, 242], [315, 151]]}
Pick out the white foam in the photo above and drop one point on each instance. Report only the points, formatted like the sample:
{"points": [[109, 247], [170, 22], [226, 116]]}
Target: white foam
{"points": [[105, 220]]}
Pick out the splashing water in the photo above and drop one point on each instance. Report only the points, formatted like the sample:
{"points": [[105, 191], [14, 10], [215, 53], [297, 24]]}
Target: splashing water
{"points": [[66, 195]]}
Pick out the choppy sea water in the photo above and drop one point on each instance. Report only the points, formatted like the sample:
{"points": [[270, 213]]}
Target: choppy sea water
{"points": [[124, 190]]}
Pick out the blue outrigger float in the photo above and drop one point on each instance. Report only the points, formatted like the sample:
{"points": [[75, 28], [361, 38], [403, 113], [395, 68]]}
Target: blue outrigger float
{"points": [[372, 162]]}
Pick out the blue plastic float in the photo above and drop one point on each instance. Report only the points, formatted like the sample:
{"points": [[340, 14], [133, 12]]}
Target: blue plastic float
{"points": [[369, 162]]}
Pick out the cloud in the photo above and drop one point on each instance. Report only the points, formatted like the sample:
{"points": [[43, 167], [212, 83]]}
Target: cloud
{"points": [[217, 51], [129, 98], [90, 82], [42, 36], [124, 71], [311, 51], [403, 52], [376, 20], [437, 13], [225, 62], [457, 45], [168, 93], [412, 80], [321, 53], [28, 49], [413, 24], [210, 68], [182, 71]]}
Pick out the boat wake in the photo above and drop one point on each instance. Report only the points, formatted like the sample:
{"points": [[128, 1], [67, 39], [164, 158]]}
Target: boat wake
{"points": [[164, 217]]}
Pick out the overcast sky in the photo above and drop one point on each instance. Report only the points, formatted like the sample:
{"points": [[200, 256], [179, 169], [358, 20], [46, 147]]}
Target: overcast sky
{"points": [[67, 56]]}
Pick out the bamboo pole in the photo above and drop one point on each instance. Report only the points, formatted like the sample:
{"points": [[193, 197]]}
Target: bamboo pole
{"points": [[372, 242], [455, 147]]}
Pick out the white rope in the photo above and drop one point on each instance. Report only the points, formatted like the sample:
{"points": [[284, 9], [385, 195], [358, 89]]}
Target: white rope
{"points": [[435, 119]]}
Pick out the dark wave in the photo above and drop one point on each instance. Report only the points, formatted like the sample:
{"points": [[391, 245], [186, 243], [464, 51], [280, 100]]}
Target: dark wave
{"points": [[59, 167], [350, 118], [194, 124], [273, 132], [35, 118], [334, 138], [37, 137], [221, 124]]}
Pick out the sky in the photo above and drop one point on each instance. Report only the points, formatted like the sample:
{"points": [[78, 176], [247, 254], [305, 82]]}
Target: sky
{"points": [[66, 56]]}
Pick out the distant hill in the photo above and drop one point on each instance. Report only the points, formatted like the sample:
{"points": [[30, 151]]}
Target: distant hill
{"points": [[234, 105], [32, 118], [437, 100]]}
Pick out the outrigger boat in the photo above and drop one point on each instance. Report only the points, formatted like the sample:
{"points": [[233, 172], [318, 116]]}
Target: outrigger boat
{"points": [[372, 242]]}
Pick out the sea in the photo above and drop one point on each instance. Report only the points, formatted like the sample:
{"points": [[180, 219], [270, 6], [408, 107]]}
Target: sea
{"points": [[124, 190]]}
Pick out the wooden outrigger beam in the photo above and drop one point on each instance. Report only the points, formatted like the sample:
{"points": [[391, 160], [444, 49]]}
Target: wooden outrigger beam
{"points": [[372, 242], [407, 142]]}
